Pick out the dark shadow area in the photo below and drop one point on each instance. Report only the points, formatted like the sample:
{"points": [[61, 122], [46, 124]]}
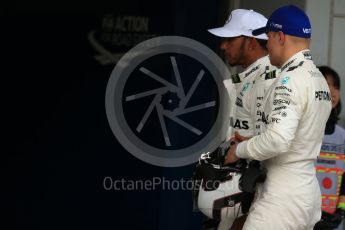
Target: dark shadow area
{"points": [[60, 148]]}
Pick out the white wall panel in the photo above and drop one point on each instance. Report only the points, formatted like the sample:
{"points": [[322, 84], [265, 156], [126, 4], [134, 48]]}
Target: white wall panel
{"points": [[339, 7], [337, 58], [320, 21]]}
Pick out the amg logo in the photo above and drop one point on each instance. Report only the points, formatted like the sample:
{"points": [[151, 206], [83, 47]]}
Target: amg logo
{"points": [[322, 95]]}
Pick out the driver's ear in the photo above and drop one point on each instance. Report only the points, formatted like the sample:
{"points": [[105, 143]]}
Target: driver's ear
{"points": [[252, 43], [281, 37]]}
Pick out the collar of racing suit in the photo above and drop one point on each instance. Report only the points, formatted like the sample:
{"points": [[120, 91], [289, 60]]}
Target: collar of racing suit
{"points": [[254, 67], [298, 58]]}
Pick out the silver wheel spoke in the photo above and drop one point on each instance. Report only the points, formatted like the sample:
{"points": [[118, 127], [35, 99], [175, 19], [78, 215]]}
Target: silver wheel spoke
{"points": [[182, 123], [164, 128], [147, 114], [185, 100], [158, 78], [180, 89], [194, 108], [147, 93]]}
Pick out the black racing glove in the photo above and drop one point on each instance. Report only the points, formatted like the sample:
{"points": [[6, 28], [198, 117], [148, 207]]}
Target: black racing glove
{"points": [[330, 221]]}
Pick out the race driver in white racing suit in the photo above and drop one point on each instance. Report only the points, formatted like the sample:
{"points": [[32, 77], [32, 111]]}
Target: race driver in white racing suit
{"points": [[296, 110], [243, 49]]}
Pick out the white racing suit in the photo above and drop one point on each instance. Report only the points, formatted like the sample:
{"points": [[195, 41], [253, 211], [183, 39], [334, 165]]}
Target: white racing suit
{"points": [[297, 107], [251, 86]]}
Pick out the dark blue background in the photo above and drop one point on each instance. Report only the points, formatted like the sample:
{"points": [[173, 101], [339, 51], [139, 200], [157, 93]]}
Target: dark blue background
{"points": [[59, 141]]}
